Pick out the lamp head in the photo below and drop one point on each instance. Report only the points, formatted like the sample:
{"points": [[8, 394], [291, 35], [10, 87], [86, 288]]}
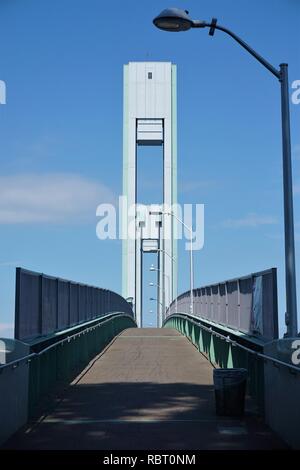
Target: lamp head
{"points": [[174, 20]]}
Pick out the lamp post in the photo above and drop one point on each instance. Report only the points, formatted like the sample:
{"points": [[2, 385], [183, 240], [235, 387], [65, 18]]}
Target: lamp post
{"points": [[152, 298], [162, 306], [153, 284], [191, 259], [150, 323], [152, 268], [175, 20], [174, 261]]}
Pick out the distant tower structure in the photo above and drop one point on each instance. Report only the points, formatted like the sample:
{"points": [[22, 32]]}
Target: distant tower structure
{"points": [[150, 118]]}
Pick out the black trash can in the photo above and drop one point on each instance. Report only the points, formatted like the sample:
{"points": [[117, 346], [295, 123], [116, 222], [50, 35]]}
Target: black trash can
{"points": [[230, 390]]}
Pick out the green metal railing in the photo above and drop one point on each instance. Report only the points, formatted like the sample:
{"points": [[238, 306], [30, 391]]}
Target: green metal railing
{"points": [[60, 362], [223, 352]]}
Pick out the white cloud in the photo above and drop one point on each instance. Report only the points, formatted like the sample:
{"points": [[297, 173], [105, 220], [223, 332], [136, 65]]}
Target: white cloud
{"points": [[250, 220], [50, 198]]}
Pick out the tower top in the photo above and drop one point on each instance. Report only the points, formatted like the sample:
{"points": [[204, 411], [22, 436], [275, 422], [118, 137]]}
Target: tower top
{"points": [[148, 88]]}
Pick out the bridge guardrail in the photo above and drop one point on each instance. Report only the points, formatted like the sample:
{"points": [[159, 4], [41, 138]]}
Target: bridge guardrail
{"points": [[247, 304], [47, 304], [273, 383], [55, 365], [233, 350], [228, 339], [61, 361], [14, 378]]}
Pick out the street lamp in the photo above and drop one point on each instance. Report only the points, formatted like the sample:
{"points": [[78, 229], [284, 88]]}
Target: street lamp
{"points": [[168, 254], [162, 306], [152, 284], [190, 229], [156, 300], [152, 298], [152, 268], [174, 261], [174, 19], [150, 323]]}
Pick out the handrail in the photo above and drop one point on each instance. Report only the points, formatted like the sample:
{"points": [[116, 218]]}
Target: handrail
{"points": [[82, 332], [16, 362], [235, 343]]}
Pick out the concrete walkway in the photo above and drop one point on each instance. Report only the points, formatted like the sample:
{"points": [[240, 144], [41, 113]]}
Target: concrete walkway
{"points": [[151, 389]]}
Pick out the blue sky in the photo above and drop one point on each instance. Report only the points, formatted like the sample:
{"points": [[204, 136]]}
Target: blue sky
{"points": [[61, 135]]}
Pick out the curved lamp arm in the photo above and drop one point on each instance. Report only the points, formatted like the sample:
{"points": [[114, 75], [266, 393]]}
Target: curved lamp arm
{"points": [[213, 26]]}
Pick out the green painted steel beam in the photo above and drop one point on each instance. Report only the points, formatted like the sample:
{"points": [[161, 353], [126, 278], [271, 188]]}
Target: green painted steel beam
{"points": [[224, 353]]}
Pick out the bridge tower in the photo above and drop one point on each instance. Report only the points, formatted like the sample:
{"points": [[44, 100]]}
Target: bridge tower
{"points": [[150, 118]]}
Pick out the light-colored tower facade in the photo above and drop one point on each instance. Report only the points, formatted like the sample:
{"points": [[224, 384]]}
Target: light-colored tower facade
{"points": [[150, 118]]}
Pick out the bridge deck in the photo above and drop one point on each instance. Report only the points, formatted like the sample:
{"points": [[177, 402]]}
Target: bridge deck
{"points": [[151, 389]]}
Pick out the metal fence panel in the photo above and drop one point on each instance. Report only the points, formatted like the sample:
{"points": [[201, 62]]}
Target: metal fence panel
{"points": [[223, 301], [45, 304], [27, 313], [215, 303], [82, 302], [74, 316], [232, 293], [270, 303], [49, 305], [231, 303], [63, 319], [198, 302], [94, 303], [89, 306], [245, 303]]}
